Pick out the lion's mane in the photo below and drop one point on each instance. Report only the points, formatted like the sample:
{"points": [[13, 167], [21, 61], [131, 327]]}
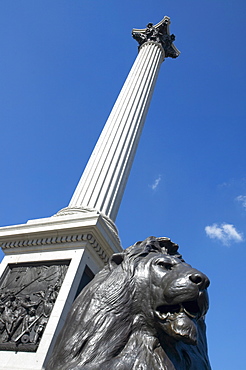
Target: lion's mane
{"points": [[112, 326]]}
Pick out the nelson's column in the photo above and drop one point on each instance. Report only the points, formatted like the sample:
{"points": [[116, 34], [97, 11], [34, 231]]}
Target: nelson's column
{"points": [[48, 261]]}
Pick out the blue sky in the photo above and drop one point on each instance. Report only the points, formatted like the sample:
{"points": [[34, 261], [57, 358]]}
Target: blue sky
{"points": [[62, 65]]}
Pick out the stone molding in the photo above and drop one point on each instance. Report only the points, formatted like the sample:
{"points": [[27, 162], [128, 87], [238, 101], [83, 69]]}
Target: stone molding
{"points": [[59, 240], [75, 210]]}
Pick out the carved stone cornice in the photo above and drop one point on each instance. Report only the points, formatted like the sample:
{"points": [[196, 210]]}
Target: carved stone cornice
{"points": [[64, 232], [59, 240], [76, 210], [158, 33]]}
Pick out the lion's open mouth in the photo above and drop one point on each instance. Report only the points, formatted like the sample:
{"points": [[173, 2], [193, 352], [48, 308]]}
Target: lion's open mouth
{"points": [[191, 309]]}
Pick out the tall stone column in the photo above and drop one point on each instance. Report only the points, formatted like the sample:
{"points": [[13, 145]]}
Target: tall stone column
{"points": [[49, 260], [102, 184]]}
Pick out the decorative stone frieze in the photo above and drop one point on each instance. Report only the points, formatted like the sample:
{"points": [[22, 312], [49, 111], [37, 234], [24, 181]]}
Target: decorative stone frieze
{"points": [[59, 240]]}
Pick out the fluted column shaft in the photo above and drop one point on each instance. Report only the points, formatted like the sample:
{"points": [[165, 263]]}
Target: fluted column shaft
{"points": [[103, 181]]}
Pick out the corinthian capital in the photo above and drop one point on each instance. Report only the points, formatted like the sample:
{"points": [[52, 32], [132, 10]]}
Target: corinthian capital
{"points": [[158, 33]]}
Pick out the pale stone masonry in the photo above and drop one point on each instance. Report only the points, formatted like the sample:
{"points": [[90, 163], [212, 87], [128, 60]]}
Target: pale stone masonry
{"points": [[103, 181], [102, 184]]}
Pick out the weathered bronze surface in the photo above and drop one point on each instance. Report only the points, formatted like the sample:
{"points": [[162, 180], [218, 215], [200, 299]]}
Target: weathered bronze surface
{"points": [[27, 295], [158, 33], [145, 310]]}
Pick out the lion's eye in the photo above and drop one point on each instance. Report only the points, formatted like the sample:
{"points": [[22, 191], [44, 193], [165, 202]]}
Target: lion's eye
{"points": [[165, 265]]}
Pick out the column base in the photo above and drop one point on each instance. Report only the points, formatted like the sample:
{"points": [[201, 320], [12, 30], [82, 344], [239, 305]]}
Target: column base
{"points": [[78, 210], [47, 262]]}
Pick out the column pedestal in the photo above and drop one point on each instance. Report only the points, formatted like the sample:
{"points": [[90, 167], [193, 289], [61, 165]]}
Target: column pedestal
{"points": [[54, 257]]}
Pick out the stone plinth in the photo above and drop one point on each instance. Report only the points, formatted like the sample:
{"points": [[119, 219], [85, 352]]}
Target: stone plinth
{"points": [[77, 242]]}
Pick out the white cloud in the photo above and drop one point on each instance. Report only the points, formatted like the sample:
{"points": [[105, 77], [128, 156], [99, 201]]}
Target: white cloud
{"points": [[226, 233], [156, 183], [242, 199]]}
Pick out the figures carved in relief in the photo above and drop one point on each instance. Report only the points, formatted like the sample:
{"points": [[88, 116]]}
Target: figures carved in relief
{"points": [[27, 296]]}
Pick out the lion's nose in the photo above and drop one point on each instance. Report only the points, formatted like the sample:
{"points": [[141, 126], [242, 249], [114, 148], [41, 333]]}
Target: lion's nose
{"points": [[200, 279]]}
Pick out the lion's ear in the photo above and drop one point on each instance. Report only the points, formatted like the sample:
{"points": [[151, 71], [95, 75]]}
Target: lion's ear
{"points": [[115, 260]]}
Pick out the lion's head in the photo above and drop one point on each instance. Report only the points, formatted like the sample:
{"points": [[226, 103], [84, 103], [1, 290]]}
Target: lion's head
{"points": [[145, 310]]}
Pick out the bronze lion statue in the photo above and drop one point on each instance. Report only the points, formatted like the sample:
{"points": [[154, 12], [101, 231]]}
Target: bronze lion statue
{"points": [[144, 311]]}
